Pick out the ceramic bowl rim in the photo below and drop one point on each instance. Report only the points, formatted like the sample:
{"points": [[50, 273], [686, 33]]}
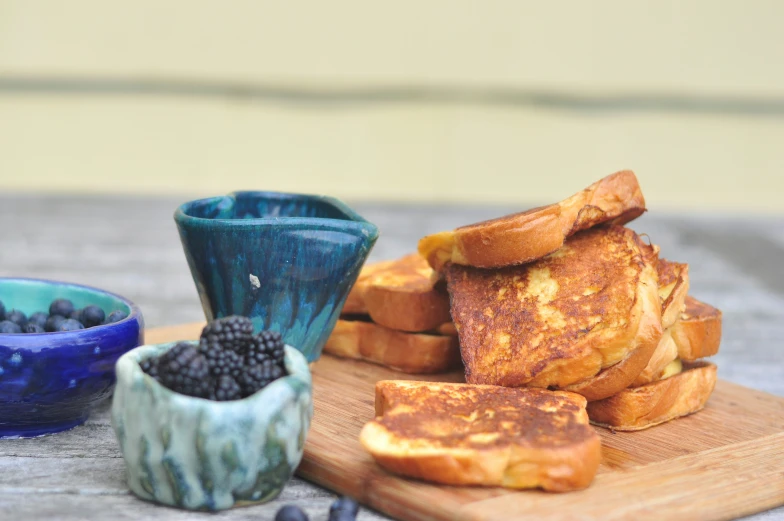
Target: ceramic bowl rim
{"points": [[355, 220], [304, 378], [135, 314]]}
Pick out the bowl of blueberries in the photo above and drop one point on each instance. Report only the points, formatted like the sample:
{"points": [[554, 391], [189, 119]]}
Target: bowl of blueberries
{"points": [[58, 346], [213, 423]]}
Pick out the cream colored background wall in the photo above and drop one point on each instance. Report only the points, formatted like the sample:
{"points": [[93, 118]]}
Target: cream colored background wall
{"points": [[434, 101]]}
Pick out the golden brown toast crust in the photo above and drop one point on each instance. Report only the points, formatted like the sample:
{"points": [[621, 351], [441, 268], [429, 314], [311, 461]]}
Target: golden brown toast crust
{"points": [[464, 434], [355, 301], [657, 402], [673, 288], [698, 332], [407, 296], [618, 377], [414, 353], [648, 361], [402, 294], [561, 319], [662, 356], [530, 235]]}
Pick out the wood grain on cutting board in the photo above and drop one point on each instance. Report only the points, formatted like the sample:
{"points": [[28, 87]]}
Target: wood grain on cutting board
{"points": [[724, 462]]}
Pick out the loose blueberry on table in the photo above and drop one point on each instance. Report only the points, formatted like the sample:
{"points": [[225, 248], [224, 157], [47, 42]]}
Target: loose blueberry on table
{"points": [[229, 363], [62, 316], [342, 509], [291, 513]]}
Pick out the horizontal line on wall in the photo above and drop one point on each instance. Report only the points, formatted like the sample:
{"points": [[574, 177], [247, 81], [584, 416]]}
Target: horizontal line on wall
{"points": [[357, 96]]}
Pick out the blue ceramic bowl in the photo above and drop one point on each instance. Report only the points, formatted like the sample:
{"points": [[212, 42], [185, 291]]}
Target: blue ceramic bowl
{"points": [[287, 261], [50, 381], [200, 454]]}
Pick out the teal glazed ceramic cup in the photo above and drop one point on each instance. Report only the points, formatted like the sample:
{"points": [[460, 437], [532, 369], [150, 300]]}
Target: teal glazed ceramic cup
{"points": [[200, 454], [287, 261]]}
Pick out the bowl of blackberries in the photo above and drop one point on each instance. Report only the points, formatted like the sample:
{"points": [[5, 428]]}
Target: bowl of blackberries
{"points": [[58, 346], [213, 423]]}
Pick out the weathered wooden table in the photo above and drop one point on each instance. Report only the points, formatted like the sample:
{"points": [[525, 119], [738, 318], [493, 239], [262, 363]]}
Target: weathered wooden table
{"points": [[130, 246]]}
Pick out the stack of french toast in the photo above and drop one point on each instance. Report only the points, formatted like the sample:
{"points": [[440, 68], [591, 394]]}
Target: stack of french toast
{"points": [[561, 315], [397, 315]]}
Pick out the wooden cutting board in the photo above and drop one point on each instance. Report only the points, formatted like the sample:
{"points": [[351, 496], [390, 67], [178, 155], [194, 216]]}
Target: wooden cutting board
{"points": [[724, 462]]}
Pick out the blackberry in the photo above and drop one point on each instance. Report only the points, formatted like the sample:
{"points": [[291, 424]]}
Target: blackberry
{"points": [[32, 327], [17, 317], [233, 333], [150, 366], [220, 361], [62, 307], [2, 310], [115, 316], [39, 318], [92, 316], [226, 388], [267, 345], [70, 324], [290, 513], [183, 369], [256, 377], [53, 323], [9, 328]]}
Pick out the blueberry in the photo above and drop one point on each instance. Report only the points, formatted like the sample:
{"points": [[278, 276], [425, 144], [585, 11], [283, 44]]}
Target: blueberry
{"points": [[8, 327], [343, 509], [70, 324], [2, 310], [53, 323], [345, 503], [341, 515], [17, 317], [115, 316], [32, 327], [76, 314], [38, 318], [62, 307], [291, 513], [92, 316]]}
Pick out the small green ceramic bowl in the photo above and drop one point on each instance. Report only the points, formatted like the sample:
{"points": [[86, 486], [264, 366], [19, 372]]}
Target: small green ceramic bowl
{"points": [[200, 454]]}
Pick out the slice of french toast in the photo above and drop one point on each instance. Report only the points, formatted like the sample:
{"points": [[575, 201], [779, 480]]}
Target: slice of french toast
{"points": [[415, 353], [461, 434], [649, 360], [402, 294], [638, 408], [673, 288], [530, 235], [562, 319], [355, 301], [698, 332]]}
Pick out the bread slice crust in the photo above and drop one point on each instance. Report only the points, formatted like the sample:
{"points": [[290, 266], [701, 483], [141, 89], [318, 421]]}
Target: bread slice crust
{"points": [[673, 288], [403, 294], [560, 320], [649, 360], [526, 236], [698, 332], [461, 434], [413, 353], [355, 301], [652, 404]]}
